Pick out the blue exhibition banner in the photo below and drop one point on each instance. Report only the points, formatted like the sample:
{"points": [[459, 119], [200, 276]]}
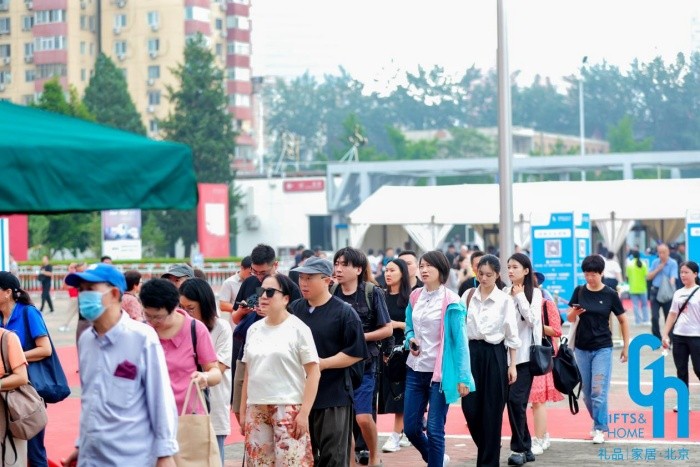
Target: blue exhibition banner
{"points": [[560, 241], [692, 235]]}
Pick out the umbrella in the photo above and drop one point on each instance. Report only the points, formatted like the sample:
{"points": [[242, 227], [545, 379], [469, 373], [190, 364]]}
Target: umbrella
{"points": [[51, 163]]}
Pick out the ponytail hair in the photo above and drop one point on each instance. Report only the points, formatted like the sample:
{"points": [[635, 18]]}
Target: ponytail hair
{"points": [[495, 264], [635, 255], [10, 282]]}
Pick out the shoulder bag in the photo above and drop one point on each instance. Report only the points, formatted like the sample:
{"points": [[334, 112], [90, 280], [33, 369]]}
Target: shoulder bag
{"points": [[193, 330], [665, 292], [25, 413], [46, 375], [195, 436], [540, 355]]}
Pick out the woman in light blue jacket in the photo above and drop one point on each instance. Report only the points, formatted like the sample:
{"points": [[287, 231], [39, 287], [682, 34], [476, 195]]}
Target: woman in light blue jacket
{"points": [[438, 368]]}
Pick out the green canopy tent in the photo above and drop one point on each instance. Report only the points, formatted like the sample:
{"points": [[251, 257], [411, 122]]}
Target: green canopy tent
{"points": [[50, 163]]}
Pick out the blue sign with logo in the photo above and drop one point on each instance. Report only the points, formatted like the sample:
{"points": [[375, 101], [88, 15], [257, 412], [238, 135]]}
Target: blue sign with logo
{"points": [[560, 241], [692, 235]]}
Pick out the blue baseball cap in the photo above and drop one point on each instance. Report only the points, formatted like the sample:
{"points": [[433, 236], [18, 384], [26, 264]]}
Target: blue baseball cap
{"points": [[100, 272]]}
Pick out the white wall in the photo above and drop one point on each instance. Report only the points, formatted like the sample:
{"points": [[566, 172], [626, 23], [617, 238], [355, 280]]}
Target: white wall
{"points": [[283, 215]]}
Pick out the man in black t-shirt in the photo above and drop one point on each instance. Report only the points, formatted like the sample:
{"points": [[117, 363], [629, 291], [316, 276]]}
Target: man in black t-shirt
{"points": [[351, 268], [337, 333], [45, 277]]}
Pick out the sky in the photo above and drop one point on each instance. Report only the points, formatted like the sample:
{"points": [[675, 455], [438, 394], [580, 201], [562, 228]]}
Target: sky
{"points": [[373, 39]]}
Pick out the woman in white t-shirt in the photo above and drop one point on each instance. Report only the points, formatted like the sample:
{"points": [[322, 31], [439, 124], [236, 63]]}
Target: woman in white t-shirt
{"points": [[281, 380], [686, 318], [197, 299]]}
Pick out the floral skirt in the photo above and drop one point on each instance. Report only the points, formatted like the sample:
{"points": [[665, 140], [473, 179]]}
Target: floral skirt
{"points": [[269, 439], [543, 389]]}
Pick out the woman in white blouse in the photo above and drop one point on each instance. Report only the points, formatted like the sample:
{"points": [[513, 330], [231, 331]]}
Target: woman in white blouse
{"points": [[685, 315], [493, 341], [528, 306], [281, 381]]}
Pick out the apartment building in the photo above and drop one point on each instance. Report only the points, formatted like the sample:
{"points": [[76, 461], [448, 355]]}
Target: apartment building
{"points": [[42, 39]]}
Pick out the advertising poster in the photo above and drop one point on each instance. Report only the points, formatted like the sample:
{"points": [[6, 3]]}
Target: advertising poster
{"points": [[121, 234], [560, 241], [692, 235], [213, 220]]}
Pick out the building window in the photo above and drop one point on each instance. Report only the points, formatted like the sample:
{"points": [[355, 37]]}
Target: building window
{"points": [[119, 21], [83, 74], [238, 74], [238, 22], [123, 72], [28, 99], [83, 23], [50, 16], [153, 46], [50, 43], [29, 75], [154, 72], [5, 51], [153, 19], [92, 24], [27, 23], [218, 24], [5, 77], [219, 49], [49, 70], [4, 25], [120, 48], [239, 100], [153, 126], [197, 13], [153, 97], [83, 48], [238, 48], [29, 49], [92, 48], [241, 2]]}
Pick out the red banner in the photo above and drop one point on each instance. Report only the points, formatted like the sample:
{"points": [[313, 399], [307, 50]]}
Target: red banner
{"points": [[19, 236], [213, 220]]}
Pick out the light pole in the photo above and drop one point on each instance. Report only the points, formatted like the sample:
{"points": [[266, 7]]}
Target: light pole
{"points": [[505, 142], [581, 114]]}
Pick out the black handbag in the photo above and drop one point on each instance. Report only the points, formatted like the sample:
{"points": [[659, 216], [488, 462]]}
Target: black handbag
{"points": [[396, 365], [541, 356]]}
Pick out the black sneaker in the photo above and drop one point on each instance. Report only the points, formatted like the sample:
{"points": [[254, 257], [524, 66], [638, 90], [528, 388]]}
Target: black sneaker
{"points": [[362, 457], [517, 458], [529, 456]]}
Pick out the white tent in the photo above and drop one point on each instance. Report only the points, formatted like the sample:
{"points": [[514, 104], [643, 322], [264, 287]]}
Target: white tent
{"points": [[428, 213]]}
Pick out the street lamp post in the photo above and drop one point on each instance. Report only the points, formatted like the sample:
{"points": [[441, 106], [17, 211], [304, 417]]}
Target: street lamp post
{"points": [[581, 114], [505, 142]]}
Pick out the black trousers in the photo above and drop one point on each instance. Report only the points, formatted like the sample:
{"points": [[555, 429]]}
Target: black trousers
{"points": [[518, 395], [331, 434], [46, 295], [655, 306], [685, 347], [483, 408]]}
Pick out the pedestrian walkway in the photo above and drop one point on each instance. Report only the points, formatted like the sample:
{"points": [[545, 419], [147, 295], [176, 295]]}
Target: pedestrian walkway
{"points": [[568, 431]]}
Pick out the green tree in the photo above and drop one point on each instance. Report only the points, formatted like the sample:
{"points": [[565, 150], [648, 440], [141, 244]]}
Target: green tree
{"points": [[107, 98], [201, 120], [468, 142], [621, 137], [73, 232]]}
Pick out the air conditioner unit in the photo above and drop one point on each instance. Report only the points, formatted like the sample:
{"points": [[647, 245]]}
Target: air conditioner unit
{"points": [[154, 27], [222, 5], [29, 59], [30, 5], [4, 6], [2, 87], [121, 57], [223, 33], [151, 81], [252, 222], [121, 3], [83, 5], [153, 54], [151, 109], [6, 60], [117, 30]]}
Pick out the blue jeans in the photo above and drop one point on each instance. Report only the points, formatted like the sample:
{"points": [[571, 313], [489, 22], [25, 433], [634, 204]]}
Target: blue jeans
{"points": [[220, 441], [596, 369], [36, 452], [640, 304], [421, 392]]}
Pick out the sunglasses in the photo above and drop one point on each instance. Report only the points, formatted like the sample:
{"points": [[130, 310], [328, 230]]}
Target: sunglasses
{"points": [[260, 291]]}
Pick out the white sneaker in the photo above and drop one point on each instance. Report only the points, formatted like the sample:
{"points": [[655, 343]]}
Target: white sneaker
{"points": [[445, 461], [545, 442], [392, 443], [404, 442], [536, 447], [598, 437]]}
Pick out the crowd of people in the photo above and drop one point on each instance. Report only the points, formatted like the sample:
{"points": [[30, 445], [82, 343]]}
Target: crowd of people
{"points": [[307, 359]]}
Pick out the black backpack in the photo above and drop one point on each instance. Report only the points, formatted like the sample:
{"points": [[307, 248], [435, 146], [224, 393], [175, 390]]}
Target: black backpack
{"points": [[565, 372]]}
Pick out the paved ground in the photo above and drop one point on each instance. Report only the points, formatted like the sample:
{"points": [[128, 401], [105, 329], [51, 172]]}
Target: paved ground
{"points": [[569, 447]]}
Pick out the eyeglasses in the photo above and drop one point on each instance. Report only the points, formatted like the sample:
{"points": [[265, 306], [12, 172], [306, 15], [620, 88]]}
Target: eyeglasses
{"points": [[155, 319], [269, 292]]}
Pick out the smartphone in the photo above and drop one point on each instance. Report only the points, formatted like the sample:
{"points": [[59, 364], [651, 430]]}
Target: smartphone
{"points": [[576, 305], [415, 347], [242, 303]]}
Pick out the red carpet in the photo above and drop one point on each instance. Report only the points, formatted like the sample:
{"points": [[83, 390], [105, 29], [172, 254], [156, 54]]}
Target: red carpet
{"points": [[62, 430]]}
